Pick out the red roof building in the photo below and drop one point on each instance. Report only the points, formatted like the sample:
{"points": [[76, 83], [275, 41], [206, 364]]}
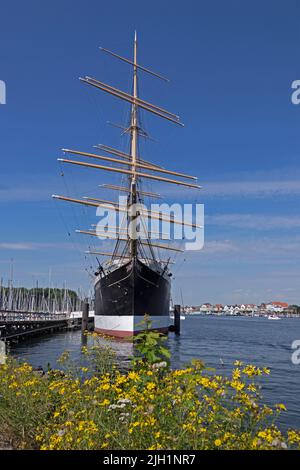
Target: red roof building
{"points": [[280, 304]]}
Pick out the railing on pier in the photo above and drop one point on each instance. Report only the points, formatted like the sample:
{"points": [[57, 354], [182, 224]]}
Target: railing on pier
{"points": [[19, 316]]}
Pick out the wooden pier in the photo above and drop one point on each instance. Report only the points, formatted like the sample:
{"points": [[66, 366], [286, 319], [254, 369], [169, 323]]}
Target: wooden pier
{"points": [[15, 325]]}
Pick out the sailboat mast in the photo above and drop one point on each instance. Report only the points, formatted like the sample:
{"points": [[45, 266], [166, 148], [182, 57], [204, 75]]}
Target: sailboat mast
{"points": [[133, 152]]}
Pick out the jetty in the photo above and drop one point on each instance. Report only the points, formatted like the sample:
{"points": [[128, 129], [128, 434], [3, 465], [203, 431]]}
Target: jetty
{"points": [[16, 325]]}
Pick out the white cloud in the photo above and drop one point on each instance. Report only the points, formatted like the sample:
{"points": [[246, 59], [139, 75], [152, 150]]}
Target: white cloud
{"points": [[28, 187], [219, 247], [271, 251], [17, 246], [25, 246], [254, 188], [255, 184], [24, 194]]}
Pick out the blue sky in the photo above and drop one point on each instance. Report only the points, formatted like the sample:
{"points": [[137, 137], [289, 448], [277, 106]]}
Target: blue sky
{"points": [[231, 66]]}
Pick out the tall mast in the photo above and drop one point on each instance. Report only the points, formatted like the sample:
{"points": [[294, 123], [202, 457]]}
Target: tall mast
{"points": [[133, 152], [135, 167]]}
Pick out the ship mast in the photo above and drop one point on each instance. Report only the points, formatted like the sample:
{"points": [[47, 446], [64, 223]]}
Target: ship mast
{"points": [[136, 169], [133, 152]]}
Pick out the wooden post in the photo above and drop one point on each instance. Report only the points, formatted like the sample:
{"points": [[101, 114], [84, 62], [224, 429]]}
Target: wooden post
{"points": [[177, 319], [85, 317]]}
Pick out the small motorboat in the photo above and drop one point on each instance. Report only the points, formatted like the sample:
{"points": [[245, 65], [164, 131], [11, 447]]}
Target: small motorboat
{"points": [[171, 315]]}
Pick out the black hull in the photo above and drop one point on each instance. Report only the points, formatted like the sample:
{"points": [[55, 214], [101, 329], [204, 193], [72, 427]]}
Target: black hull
{"points": [[133, 289]]}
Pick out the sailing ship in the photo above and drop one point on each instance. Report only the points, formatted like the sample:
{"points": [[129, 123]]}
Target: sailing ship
{"points": [[132, 279]]}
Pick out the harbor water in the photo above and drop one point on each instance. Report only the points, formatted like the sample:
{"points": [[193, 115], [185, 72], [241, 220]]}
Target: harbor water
{"points": [[218, 341]]}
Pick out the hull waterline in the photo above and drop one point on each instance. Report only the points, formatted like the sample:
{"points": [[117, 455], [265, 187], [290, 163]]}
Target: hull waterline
{"points": [[126, 294]]}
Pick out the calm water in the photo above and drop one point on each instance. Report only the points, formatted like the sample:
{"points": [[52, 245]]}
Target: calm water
{"points": [[218, 341]]}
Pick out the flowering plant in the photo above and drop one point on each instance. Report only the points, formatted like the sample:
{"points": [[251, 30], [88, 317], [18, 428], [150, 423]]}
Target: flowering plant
{"points": [[140, 408]]}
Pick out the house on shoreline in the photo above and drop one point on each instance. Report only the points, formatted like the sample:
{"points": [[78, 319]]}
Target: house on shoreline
{"points": [[265, 308]]}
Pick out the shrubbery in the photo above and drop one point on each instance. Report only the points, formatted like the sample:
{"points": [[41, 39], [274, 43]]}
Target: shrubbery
{"points": [[149, 406]]}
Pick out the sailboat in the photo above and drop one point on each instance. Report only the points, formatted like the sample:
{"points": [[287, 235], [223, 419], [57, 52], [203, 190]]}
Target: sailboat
{"points": [[132, 280]]}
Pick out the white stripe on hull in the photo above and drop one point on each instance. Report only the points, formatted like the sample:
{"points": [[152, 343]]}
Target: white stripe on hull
{"points": [[127, 325]]}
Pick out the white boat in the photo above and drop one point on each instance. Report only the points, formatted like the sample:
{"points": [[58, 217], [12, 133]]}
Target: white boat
{"points": [[171, 315], [273, 317]]}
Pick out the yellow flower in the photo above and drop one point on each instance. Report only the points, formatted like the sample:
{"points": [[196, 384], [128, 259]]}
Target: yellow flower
{"points": [[255, 443], [218, 442], [121, 379], [294, 436], [189, 427], [133, 376], [29, 383], [179, 372], [237, 385], [281, 406], [151, 421], [251, 370], [104, 402], [81, 425], [238, 363], [204, 381], [150, 386], [236, 374], [13, 385], [266, 435], [104, 387]]}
